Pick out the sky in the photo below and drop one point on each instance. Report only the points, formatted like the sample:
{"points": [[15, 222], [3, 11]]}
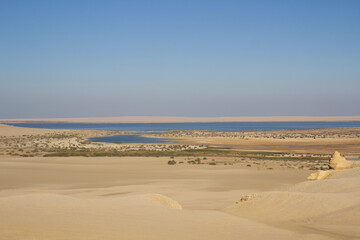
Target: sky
{"points": [[199, 58]]}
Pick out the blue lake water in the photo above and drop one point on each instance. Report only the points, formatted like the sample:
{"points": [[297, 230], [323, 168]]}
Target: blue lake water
{"points": [[130, 139], [217, 127]]}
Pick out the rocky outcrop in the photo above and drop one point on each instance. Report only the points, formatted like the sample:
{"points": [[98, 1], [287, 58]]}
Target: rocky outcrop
{"points": [[319, 175], [337, 162]]}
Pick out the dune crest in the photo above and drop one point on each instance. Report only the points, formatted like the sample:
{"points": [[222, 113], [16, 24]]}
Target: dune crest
{"points": [[166, 201]]}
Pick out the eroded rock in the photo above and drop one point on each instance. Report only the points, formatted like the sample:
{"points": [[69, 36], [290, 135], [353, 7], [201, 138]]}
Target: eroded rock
{"points": [[319, 175], [337, 162]]}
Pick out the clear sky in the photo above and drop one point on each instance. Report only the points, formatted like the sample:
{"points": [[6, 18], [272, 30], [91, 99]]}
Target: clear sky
{"points": [[179, 58]]}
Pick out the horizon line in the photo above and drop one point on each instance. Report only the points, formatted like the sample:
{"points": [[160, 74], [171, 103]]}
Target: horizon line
{"points": [[179, 119]]}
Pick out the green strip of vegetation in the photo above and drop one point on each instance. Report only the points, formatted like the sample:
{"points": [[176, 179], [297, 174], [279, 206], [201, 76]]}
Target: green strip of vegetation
{"points": [[209, 152]]}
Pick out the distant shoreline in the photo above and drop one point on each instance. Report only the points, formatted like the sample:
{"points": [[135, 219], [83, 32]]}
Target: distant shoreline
{"points": [[152, 119]]}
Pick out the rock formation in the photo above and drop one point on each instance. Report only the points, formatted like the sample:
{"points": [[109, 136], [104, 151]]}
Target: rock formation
{"points": [[319, 175], [337, 162]]}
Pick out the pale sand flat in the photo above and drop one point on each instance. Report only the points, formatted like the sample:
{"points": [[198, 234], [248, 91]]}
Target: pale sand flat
{"points": [[12, 131], [49, 216], [112, 198], [118, 198]]}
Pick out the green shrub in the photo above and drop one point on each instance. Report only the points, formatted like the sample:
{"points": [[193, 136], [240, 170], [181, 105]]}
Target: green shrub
{"points": [[171, 162]]}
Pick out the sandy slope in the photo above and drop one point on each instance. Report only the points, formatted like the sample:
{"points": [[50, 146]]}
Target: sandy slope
{"points": [[11, 131], [135, 217], [144, 198], [330, 207], [131, 198]]}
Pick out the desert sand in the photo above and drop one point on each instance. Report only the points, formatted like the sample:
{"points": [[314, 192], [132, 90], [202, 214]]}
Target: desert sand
{"points": [[144, 198], [58, 198], [11, 131], [318, 141]]}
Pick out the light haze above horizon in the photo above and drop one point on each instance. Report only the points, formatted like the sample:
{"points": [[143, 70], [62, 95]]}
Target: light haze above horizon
{"points": [[179, 58]]}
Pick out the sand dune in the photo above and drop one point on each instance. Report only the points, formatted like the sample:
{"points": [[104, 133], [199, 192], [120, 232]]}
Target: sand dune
{"points": [[49, 216], [329, 207], [131, 198], [11, 131], [166, 201], [144, 198]]}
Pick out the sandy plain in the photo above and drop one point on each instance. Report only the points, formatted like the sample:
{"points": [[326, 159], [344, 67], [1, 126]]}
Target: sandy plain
{"points": [[146, 198], [322, 145]]}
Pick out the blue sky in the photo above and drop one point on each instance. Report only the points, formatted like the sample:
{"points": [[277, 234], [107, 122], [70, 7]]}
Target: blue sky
{"points": [[179, 58]]}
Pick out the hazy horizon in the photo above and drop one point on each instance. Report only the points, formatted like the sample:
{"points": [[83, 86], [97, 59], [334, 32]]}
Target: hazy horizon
{"points": [[179, 58]]}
